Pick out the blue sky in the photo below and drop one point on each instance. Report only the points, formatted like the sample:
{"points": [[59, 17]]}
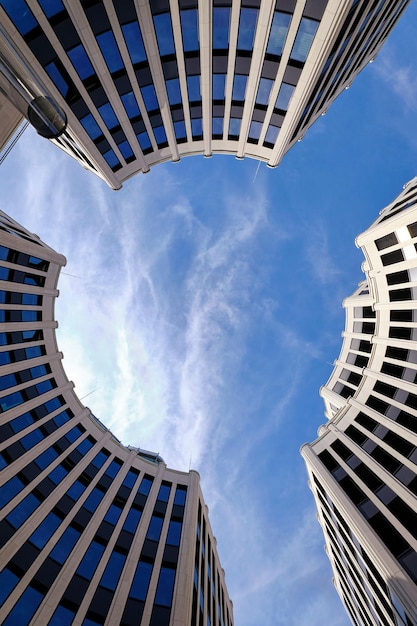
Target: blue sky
{"points": [[201, 310]]}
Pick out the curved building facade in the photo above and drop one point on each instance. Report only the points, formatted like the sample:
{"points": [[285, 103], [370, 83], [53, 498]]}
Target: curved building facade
{"points": [[140, 82], [91, 531], [363, 466]]}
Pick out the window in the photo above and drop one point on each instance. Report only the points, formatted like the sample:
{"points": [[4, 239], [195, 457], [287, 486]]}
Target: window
{"points": [[110, 51], [279, 30], [113, 570], [165, 587], [163, 31], [81, 62], [284, 96], [134, 42], [140, 582], [90, 560], [189, 29], [221, 18], [239, 87], [247, 26], [304, 39], [154, 528], [264, 90]]}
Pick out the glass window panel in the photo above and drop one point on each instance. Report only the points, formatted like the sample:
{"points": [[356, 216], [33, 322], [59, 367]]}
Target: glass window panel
{"points": [[45, 530], [108, 115], [160, 135], [110, 51], [113, 570], [84, 446], [174, 91], [20, 14], [65, 544], [31, 439], [163, 31], [13, 399], [113, 468], [271, 134], [165, 587], [132, 520], [30, 298], [193, 86], [100, 459], [234, 126], [284, 96], [189, 29], [51, 7], [23, 510], [180, 130], [62, 617], [155, 527], [134, 42], [164, 491], [9, 490], [180, 496], [264, 90], [130, 478], [221, 19], [93, 500], [111, 158], [239, 87], [81, 62], [8, 582], [9, 380], [46, 458], [113, 514], [24, 608], [247, 27], [43, 387], [219, 82], [149, 98], [144, 141], [217, 126], [130, 104], [140, 582], [76, 490], [304, 39], [30, 316], [125, 149], [58, 474], [278, 35], [145, 486], [57, 78], [255, 129], [174, 533], [197, 127], [4, 358], [90, 560]]}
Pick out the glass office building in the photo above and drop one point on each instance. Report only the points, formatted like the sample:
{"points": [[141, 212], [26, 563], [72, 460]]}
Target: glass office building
{"points": [[122, 86], [363, 466], [91, 532]]}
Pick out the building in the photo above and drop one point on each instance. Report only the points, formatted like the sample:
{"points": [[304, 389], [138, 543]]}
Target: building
{"points": [[91, 531], [363, 466], [122, 86]]}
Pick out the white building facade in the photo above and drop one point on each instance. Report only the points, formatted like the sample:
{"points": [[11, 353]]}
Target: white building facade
{"points": [[363, 466], [135, 83]]}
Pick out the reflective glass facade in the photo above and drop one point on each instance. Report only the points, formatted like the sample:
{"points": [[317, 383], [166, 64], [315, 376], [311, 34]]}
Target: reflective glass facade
{"points": [[90, 530], [144, 85]]}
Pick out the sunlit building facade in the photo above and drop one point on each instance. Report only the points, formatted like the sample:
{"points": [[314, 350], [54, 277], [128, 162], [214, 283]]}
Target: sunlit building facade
{"points": [[363, 466], [91, 531], [122, 86]]}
